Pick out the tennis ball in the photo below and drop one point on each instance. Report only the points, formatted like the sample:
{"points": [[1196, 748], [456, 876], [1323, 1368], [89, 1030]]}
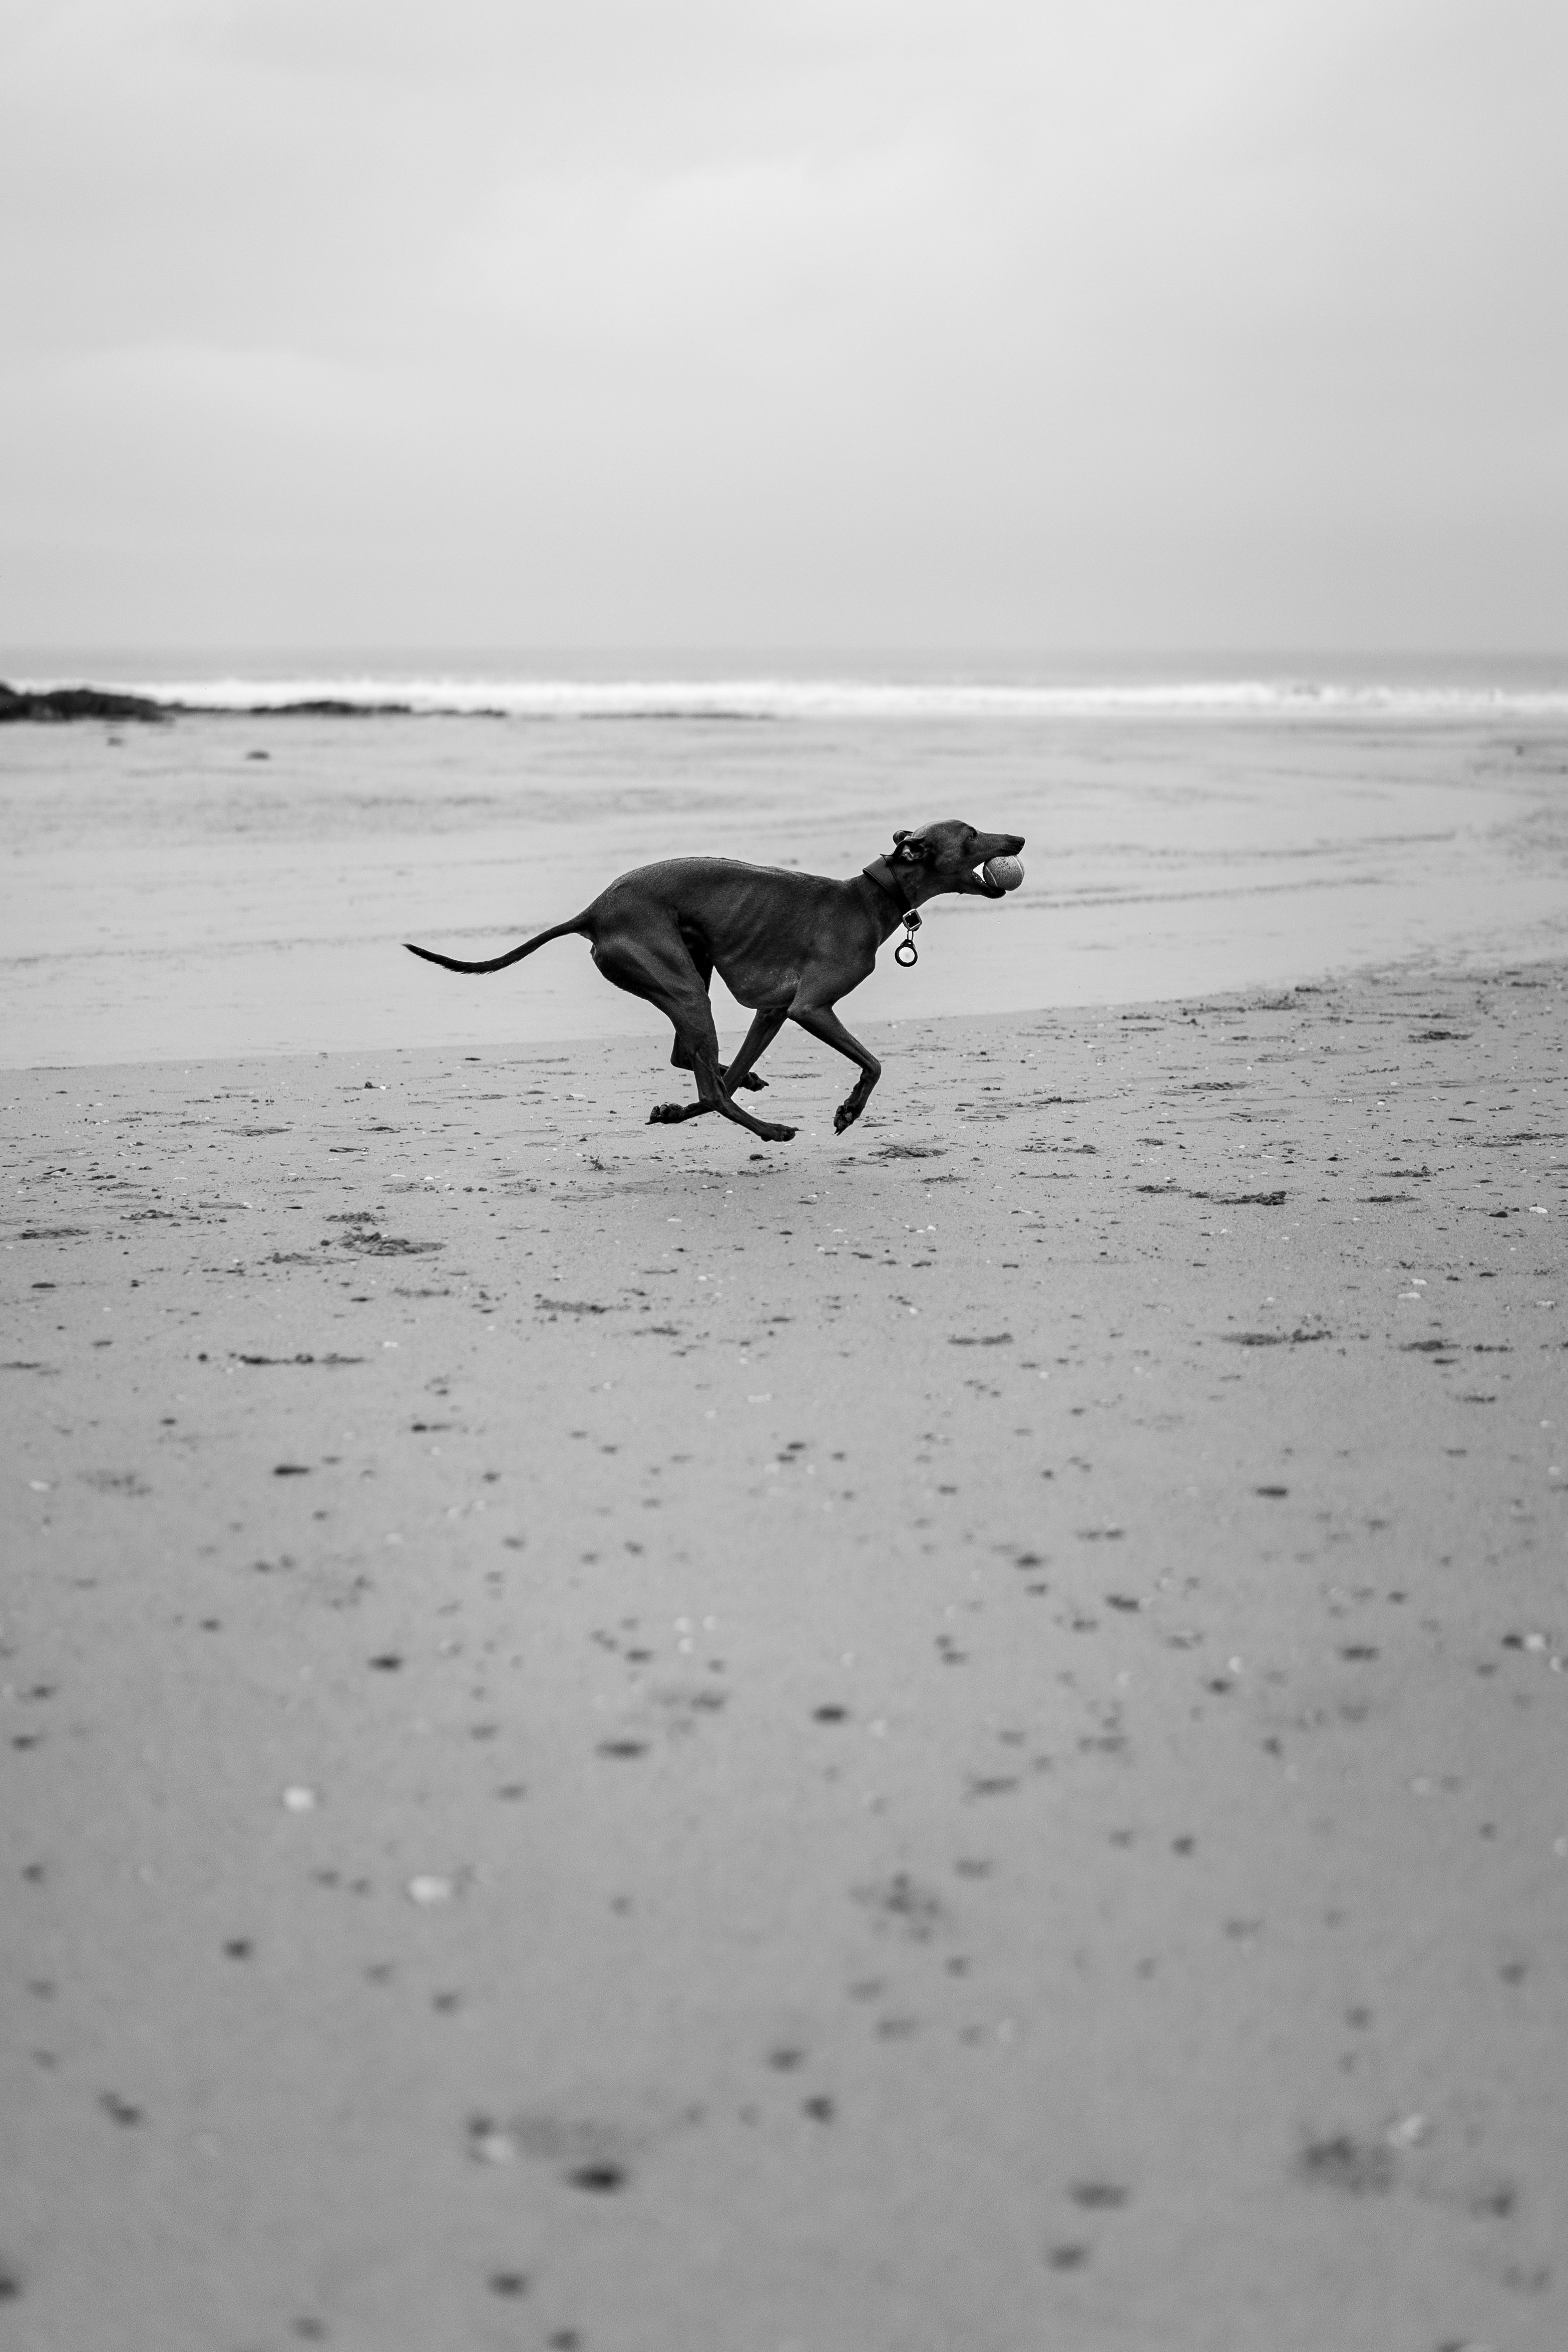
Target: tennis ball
{"points": [[1004, 872]]}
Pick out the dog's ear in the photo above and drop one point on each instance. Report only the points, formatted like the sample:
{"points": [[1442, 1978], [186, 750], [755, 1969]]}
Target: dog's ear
{"points": [[907, 847]]}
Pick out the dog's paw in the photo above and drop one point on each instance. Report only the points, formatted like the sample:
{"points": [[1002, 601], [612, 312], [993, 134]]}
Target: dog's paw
{"points": [[845, 1116], [667, 1114], [755, 1082], [775, 1134]]}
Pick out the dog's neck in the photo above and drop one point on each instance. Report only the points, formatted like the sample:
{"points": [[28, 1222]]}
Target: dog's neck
{"points": [[885, 879]]}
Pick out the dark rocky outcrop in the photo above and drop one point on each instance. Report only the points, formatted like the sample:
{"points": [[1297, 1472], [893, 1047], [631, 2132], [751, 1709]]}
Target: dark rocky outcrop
{"points": [[58, 703], [327, 708], [55, 704]]}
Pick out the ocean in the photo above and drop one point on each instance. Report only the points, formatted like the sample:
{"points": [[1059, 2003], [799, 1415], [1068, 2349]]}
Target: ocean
{"points": [[240, 878]]}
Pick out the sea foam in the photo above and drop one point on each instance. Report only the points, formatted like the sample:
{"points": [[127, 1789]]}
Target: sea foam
{"points": [[841, 700]]}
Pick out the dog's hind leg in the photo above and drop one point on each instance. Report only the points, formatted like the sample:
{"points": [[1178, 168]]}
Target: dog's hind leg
{"points": [[696, 947], [764, 1028], [694, 1026], [824, 1022], [679, 1058], [662, 972]]}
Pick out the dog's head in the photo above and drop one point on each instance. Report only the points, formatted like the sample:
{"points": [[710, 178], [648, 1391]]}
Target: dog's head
{"points": [[948, 855]]}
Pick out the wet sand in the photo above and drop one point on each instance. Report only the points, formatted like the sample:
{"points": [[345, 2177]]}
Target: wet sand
{"points": [[618, 1740], [223, 886]]}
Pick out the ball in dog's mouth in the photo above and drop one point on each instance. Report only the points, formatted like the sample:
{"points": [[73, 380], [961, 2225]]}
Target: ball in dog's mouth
{"points": [[1002, 873]]}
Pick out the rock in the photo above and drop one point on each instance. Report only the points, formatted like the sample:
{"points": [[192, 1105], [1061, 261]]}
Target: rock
{"points": [[55, 703]]}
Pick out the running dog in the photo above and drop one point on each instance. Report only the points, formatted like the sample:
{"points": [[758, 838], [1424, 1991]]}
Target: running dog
{"points": [[787, 945]]}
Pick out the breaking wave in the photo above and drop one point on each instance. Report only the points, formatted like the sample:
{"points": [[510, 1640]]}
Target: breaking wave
{"points": [[782, 699]]}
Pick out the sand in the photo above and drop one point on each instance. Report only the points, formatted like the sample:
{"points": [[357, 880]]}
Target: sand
{"points": [[619, 1739], [231, 886]]}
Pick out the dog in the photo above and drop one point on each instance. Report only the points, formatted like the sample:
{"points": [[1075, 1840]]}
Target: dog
{"points": [[788, 945]]}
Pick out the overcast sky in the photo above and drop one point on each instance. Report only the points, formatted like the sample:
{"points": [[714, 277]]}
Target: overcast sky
{"points": [[976, 324]]}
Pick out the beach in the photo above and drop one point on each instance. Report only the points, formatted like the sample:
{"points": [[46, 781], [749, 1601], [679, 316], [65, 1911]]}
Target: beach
{"points": [[922, 1709], [239, 880], [619, 1739]]}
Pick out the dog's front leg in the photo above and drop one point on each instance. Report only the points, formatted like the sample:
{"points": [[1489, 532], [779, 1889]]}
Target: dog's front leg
{"points": [[764, 1028], [823, 1022]]}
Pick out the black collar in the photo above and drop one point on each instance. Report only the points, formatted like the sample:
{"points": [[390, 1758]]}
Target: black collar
{"points": [[882, 874]]}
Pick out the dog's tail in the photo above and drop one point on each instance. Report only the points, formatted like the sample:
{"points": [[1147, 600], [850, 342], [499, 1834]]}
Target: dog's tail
{"points": [[515, 955]]}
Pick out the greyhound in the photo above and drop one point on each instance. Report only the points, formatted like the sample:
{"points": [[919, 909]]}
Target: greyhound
{"points": [[788, 945]]}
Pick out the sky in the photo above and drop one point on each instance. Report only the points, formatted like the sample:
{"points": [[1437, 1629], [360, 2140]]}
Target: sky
{"points": [[996, 325]]}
